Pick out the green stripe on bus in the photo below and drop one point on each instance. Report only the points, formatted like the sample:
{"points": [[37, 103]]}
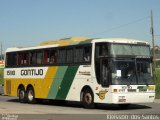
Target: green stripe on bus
{"points": [[57, 81], [67, 82]]}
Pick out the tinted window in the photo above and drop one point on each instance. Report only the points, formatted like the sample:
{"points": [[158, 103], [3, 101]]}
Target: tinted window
{"points": [[23, 58], [87, 54], [61, 56], [39, 57], [53, 57], [33, 58], [101, 50], [46, 56], [78, 55], [69, 55], [11, 59]]}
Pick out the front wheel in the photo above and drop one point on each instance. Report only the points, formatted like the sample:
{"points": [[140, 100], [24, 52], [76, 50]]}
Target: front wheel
{"points": [[31, 95], [88, 98]]}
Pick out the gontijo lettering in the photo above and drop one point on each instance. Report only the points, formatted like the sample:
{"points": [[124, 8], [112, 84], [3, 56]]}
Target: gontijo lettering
{"points": [[32, 72]]}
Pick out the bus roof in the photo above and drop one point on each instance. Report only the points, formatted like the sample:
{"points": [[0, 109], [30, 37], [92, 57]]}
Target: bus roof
{"points": [[76, 41]]}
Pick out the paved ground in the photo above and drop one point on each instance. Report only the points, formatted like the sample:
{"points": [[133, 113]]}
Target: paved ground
{"points": [[10, 105], [1, 89]]}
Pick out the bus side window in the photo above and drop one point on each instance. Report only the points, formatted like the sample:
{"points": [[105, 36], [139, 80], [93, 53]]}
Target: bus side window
{"points": [[46, 56], [69, 56], [20, 59], [11, 59], [61, 56], [78, 55], [33, 58], [27, 58], [101, 50], [87, 54], [53, 57], [39, 57]]}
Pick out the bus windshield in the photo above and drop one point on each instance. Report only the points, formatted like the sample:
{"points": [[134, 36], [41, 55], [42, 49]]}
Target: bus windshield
{"points": [[131, 72], [134, 50]]}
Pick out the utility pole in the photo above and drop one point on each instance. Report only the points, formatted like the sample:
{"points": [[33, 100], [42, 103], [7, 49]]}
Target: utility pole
{"points": [[153, 42]]}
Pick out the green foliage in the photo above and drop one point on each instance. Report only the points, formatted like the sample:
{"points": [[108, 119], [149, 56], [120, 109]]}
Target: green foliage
{"points": [[157, 82], [1, 76], [158, 64]]}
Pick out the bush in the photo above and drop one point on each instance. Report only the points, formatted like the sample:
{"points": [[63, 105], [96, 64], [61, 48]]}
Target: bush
{"points": [[157, 82], [158, 63], [1, 76]]}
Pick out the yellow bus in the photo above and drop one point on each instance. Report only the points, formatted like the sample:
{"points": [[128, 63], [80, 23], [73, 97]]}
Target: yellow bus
{"points": [[112, 71]]}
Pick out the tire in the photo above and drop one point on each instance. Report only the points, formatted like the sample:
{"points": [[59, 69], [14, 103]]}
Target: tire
{"points": [[22, 95], [31, 96], [59, 102], [88, 99]]}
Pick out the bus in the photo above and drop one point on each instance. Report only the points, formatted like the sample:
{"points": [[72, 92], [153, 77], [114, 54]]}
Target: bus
{"points": [[110, 71]]}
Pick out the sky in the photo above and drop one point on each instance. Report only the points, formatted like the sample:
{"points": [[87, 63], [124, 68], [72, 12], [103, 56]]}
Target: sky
{"points": [[29, 22]]}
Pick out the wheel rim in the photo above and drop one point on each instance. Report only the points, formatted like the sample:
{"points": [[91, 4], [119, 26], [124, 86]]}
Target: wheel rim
{"points": [[30, 95], [88, 98], [21, 94]]}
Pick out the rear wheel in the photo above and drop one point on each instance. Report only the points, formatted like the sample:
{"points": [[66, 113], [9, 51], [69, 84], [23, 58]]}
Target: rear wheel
{"points": [[31, 95], [87, 98], [22, 95]]}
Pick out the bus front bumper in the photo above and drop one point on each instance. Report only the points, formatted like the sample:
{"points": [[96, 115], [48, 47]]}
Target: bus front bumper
{"points": [[124, 98]]}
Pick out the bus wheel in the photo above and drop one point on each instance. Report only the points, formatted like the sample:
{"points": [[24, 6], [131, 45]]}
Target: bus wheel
{"points": [[22, 95], [31, 95], [88, 99]]}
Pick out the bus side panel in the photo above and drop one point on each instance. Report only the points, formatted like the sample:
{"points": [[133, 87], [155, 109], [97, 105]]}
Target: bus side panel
{"points": [[62, 83], [81, 79], [11, 85], [41, 85], [66, 83], [42, 91], [55, 86]]}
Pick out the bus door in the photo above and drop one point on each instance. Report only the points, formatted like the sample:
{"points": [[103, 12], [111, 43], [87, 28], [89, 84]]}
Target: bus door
{"points": [[104, 72]]}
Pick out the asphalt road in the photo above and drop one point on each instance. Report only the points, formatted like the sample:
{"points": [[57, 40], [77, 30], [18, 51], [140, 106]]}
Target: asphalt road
{"points": [[10, 107]]}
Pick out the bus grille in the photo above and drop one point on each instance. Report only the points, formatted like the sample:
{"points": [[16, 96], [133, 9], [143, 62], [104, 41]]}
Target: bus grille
{"points": [[8, 87]]}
